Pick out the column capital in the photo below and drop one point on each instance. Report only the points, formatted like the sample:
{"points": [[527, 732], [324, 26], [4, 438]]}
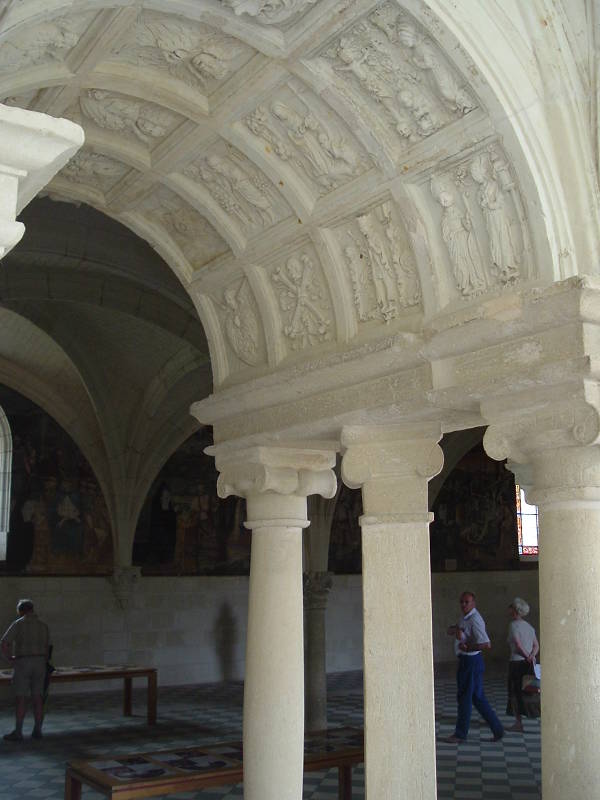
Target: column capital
{"points": [[298, 469], [525, 426], [380, 452]]}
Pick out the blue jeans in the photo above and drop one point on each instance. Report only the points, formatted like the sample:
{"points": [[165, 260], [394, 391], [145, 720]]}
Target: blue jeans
{"points": [[469, 684]]}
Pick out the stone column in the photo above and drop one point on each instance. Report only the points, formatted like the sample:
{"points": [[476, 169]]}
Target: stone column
{"points": [[316, 591], [560, 445], [393, 465], [275, 482]]}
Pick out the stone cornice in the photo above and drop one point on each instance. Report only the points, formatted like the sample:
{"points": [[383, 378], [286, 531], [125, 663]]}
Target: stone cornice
{"points": [[507, 345]]}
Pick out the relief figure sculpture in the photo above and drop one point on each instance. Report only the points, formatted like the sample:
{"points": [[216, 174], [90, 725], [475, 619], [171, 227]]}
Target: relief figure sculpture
{"points": [[460, 241], [243, 188], [382, 272], [504, 248], [303, 132]]}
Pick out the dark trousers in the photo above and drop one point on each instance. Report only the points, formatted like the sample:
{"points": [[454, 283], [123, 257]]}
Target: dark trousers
{"points": [[469, 683]]}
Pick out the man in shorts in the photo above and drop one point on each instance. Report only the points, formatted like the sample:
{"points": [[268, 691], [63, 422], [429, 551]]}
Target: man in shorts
{"points": [[25, 644]]}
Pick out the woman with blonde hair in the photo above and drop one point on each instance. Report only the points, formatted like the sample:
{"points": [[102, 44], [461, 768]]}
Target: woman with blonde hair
{"points": [[524, 647]]}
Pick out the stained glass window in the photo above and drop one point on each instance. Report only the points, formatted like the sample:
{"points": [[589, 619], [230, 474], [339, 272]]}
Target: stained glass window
{"points": [[528, 528]]}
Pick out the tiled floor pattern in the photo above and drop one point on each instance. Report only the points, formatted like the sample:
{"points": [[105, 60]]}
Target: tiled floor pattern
{"points": [[85, 725]]}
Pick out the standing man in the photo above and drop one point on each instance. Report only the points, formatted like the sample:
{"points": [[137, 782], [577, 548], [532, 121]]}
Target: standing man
{"points": [[25, 643], [470, 639]]}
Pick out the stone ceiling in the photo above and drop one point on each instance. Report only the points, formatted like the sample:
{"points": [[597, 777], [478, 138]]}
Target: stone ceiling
{"points": [[316, 173]]}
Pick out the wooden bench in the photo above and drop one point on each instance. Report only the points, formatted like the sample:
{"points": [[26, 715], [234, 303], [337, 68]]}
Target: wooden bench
{"points": [[104, 672], [187, 769]]}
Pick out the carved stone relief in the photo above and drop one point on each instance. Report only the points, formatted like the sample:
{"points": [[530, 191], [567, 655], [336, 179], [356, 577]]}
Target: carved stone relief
{"points": [[240, 322], [326, 156], [197, 239], [239, 188], [269, 12], [303, 302], [390, 60], [483, 222], [147, 122], [189, 51], [94, 168], [46, 43], [381, 265], [24, 100]]}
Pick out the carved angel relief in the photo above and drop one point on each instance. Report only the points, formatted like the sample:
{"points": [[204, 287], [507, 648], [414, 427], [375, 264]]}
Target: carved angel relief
{"points": [[117, 112], [95, 169], [303, 302], [196, 238], [298, 137], [194, 53], [269, 12], [482, 196], [238, 187], [402, 71], [45, 43], [240, 322], [381, 266]]}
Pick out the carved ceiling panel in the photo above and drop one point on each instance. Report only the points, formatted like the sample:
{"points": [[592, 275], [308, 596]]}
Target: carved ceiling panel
{"points": [[132, 118], [240, 322], [479, 224], [94, 169], [392, 73], [312, 143], [42, 44], [195, 54], [193, 234], [270, 12], [303, 301], [238, 187], [379, 263]]}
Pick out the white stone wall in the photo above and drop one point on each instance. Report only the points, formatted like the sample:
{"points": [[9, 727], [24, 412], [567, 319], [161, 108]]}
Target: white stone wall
{"points": [[194, 629]]}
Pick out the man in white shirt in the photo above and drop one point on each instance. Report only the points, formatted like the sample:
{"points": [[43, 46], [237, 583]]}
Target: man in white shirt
{"points": [[471, 638]]}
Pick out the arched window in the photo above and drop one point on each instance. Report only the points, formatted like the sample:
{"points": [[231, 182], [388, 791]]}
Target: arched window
{"points": [[5, 474]]}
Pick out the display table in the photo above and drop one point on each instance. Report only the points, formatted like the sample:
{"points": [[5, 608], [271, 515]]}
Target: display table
{"points": [[105, 672], [191, 768]]}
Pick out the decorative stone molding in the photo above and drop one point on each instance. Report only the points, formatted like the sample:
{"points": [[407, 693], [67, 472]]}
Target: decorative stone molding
{"points": [[317, 586], [124, 582]]}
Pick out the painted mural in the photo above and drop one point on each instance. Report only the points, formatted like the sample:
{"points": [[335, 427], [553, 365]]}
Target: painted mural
{"points": [[59, 523], [184, 528], [474, 525]]}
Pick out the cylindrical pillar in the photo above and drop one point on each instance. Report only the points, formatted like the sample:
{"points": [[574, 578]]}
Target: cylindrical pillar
{"points": [[393, 469], [566, 489], [274, 682]]}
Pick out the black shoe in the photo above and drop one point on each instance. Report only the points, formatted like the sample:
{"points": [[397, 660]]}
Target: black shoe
{"points": [[15, 736], [35, 734]]}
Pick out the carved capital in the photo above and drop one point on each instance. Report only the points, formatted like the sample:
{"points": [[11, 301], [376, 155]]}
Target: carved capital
{"points": [[316, 589], [523, 433], [389, 451], [278, 469], [124, 581]]}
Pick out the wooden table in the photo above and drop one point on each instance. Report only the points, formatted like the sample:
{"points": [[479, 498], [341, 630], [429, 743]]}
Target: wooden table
{"points": [[103, 672], [187, 769]]}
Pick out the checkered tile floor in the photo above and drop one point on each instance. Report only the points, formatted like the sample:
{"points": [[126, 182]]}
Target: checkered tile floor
{"points": [[87, 725]]}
